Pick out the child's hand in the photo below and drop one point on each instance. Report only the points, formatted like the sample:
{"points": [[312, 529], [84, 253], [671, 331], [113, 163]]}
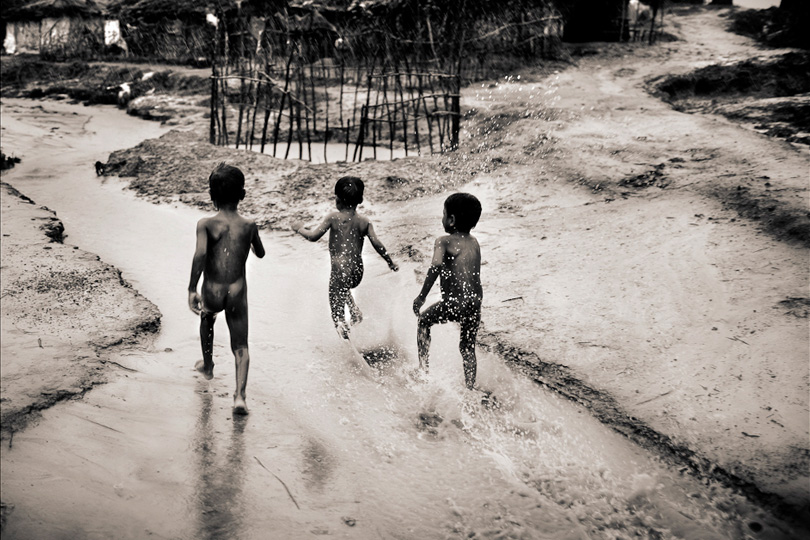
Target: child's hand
{"points": [[195, 302], [417, 304], [297, 226], [393, 266]]}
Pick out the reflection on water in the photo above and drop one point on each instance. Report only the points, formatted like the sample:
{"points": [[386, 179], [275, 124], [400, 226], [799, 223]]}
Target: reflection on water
{"points": [[220, 474], [317, 466]]}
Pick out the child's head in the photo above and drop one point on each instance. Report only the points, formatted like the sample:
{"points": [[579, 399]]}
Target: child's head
{"points": [[226, 185], [465, 209], [349, 191]]}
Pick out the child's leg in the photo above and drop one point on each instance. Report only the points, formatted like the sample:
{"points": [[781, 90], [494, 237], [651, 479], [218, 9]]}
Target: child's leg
{"points": [[354, 279], [469, 330], [338, 292], [206, 366], [357, 315], [432, 315], [237, 317]]}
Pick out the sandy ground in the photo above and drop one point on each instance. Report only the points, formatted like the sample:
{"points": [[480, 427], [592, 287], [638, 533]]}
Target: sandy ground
{"points": [[63, 310], [674, 317]]}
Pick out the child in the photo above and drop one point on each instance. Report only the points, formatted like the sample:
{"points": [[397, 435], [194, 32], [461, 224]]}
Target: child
{"points": [[347, 229], [223, 244], [457, 259]]}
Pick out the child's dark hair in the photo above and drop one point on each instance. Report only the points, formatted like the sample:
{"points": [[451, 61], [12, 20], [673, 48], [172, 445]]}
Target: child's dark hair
{"points": [[466, 209], [349, 189], [226, 184]]}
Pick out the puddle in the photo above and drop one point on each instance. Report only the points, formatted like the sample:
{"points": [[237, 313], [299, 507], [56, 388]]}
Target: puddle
{"points": [[326, 450], [332, 152]]}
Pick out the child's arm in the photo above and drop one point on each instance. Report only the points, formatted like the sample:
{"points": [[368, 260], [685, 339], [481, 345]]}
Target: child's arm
{"points": [[432, 274], [315, 234], [256, 242], [197, 266], [380, 248]]}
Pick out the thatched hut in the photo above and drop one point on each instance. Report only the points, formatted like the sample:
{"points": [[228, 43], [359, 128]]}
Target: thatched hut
{"points": [[188, 30], [173, 30], [62, 28]]}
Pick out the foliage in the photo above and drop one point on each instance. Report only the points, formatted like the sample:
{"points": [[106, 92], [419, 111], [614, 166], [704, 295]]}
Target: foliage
{"points": [[50, 8]]}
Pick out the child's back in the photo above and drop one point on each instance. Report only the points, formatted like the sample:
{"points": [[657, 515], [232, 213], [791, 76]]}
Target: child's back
{"points": [[346, 237], [347, 231], [229, 237], [457, 262], [461, 269], [223, 243]]}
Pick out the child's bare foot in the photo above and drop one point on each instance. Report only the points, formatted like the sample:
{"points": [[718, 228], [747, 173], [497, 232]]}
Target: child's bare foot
{"points": [[208, 373], [342, 329], [239, 405], [357, 315], [488, 399], [418, 375]]}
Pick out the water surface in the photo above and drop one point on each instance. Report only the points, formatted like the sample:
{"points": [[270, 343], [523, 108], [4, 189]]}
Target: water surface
{"points": [[326, 450]]}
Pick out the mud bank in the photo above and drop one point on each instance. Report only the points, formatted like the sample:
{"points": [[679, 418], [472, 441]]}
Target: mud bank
{"points": [[64, 313]]}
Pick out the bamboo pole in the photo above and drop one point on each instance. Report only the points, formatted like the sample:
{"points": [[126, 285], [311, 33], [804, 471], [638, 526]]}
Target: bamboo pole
{"points": [[340, 98], [398, 87], [439, 126], [375, 125], [455, 118], [256, 99], [415, 102], [306, 117], [298, 134], [326, 129], [290, 131], [212, 128], [224, 114], [368, 101], [416, 115], [358, 147], [283, 98], [354, 110], [240, 66], [390, 123]]}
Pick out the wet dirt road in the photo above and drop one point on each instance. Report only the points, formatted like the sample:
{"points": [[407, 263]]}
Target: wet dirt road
{"points": [[326, 450]]}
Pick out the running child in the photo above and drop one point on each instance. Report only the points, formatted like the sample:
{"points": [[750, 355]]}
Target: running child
{"points": [[223, 244], [457, 260], [347, 230]]}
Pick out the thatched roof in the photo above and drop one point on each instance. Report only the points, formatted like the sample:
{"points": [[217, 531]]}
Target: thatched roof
{"points": [[188, 9], [39, 9], [150, 9]]}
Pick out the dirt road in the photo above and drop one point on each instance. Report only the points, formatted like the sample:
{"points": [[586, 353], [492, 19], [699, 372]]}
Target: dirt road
{"points": [[693, 319], [662, 286], [617, 265]]}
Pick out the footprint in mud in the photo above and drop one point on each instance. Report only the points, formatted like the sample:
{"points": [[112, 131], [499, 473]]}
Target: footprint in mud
{"points": [[428, 422], [382, 358]]}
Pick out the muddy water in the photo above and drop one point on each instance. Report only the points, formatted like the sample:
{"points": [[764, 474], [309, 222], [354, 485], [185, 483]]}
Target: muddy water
{"points": [[334, 152], [328, 449]]}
